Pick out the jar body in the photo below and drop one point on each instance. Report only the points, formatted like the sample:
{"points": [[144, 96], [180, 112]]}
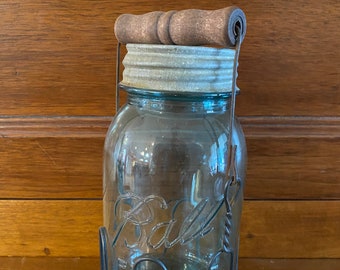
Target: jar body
{"points": [[166, 173]]}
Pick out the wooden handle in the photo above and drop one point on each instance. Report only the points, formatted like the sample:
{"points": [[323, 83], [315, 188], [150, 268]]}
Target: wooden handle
{"points": [[186, 27]]}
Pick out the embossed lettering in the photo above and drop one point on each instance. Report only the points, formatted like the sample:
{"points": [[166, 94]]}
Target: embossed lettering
{"points": [[196, 224]]}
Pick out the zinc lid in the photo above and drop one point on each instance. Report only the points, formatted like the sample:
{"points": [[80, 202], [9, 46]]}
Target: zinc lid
{"points": [[178, 68]]}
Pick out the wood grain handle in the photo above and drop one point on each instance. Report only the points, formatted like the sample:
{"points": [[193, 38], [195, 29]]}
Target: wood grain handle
{"points": [[186, 27]]}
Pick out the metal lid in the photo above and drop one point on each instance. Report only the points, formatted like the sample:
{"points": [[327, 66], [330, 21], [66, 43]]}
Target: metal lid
{"points": [[178, 68]]}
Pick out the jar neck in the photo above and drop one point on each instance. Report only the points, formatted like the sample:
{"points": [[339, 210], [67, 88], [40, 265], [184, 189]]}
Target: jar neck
{"points": [[154, 101]]}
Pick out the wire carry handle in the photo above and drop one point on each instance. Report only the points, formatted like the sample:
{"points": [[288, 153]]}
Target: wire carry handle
{"points": [[167, 28]]}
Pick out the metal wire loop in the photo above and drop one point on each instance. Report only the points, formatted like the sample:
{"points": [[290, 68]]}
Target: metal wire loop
{"points": [[149, 259]]}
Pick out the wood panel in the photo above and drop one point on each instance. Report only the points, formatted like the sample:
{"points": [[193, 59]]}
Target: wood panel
{"points": [[51, 167], [290, 229], [269, 229], [57, 58], [293, 168], [288, 60], [50, 228], [49, 263], [287, 264], [292, 157], [62, 158], [57, 81], [81, 263]]}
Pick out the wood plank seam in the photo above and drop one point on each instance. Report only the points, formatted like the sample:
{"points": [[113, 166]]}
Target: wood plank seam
{"points": [[94, 126]]}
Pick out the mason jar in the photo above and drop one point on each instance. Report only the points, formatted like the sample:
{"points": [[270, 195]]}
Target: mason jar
{"points": [[174, 163]]}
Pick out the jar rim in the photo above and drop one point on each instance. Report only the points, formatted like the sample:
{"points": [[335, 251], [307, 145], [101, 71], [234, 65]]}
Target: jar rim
{"points": [[175, 94]]}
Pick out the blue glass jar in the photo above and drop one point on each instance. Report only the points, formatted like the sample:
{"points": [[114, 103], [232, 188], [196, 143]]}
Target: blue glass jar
{"points": [[173, 172]]}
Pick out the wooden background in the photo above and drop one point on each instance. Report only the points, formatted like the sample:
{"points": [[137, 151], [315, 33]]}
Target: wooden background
{"points": [[57, 80]]}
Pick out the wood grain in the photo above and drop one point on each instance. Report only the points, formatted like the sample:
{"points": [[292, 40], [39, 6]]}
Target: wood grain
{"points": [[50, 228], [290, 229], [288, 60], [57, 58], [51, 167], [293, 168], [269, 229], [285, 264], [49, 263], [81, 263]]}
